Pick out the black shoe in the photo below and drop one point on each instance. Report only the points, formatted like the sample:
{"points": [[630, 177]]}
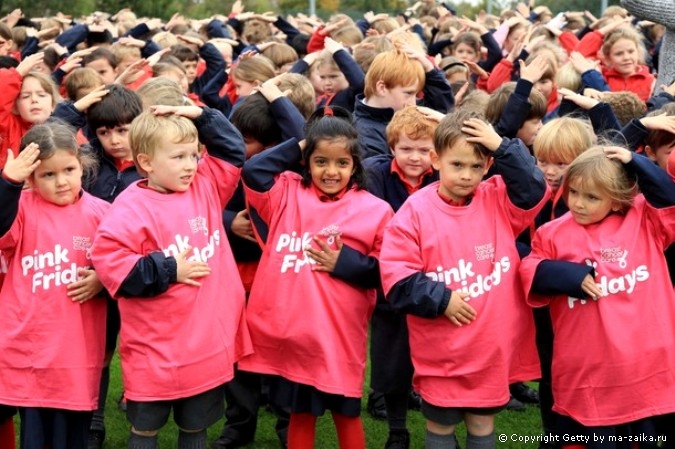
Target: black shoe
{"points": [[414, 400], [515, 405], [376, 406], [96, 439], [227, 443], [398, 439], [524, 393]]}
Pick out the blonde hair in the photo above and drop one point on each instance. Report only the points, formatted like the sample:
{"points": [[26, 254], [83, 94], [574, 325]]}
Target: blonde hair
{"points": [[280, 55], [372, 46], [257, 68], [162, 90], [562, 139], [348, 35], [148, 134], [300, 92], [593, 169], [165, 39], [568, 77], [81, 79], [47, 84]]}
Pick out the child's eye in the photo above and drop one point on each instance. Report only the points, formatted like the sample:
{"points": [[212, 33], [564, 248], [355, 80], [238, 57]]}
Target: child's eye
{"points": [[477, 167]]}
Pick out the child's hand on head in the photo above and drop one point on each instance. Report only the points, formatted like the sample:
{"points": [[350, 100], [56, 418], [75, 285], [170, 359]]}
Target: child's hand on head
{"points": [[190, 40], [191, 112], [332, 45], [29, 63], [622, 155], [270, 89], [132, 72], [582, 101], [86, 287], [661, 122], [189, 270], [92, 97], [482, 133], [431, 114], [155, 57], [325, 258], [592, 289], [415, 53], [535, 70], [20, 168], [459, 312], [582, 64]]}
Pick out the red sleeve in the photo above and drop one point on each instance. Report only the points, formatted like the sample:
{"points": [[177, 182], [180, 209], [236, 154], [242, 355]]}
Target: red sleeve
{"points": [[590, 44], [316, 41], [568, 41], [500, 74]]}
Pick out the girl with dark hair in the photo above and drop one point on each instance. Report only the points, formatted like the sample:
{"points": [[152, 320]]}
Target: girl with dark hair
{"points": [[309, 308]]}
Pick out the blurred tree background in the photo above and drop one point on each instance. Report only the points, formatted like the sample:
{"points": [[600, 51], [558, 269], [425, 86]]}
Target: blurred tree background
{"points": [[205, 8]]}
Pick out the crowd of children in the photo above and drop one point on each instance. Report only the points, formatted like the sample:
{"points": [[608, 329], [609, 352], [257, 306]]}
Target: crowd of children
{"points": [[238, 203]]}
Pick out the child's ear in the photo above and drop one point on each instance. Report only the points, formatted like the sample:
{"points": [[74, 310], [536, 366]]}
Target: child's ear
{"points": [[489, 163], [143, 161], [649, 151], [435, 160], [381, 88]]}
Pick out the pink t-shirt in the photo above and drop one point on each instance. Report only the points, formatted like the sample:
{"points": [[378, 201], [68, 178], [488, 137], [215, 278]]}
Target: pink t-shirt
{"points": [[306, 325], [469, 248], [184, 341], [51, 348], [614, 358]]}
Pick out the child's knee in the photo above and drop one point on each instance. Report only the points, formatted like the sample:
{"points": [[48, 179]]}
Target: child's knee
{"points": [[144, 433], [440, 429], [479, 425]]}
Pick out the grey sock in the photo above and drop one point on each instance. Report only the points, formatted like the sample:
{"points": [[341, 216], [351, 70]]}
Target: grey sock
{"points": [[485, 442], [192, 440], [436, 441], [142, 442]]}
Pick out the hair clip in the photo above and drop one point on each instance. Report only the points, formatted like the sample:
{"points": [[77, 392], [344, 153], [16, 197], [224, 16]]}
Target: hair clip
{"points": [[328, 111]]}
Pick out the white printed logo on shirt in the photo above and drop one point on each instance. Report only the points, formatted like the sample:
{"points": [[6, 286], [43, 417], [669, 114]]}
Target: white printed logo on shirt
{"points": [[294, 244], [50, 268], [463, 274], [611, 286]]}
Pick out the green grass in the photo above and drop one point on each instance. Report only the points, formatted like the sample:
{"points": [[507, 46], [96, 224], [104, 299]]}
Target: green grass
{"points": [[508, 422]]}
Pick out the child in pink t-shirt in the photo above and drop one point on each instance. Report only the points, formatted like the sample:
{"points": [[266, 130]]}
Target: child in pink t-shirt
{"points": [[7, 437], [449, 261], [314, 291], [162, 253], [600, 268], [53, 320]]}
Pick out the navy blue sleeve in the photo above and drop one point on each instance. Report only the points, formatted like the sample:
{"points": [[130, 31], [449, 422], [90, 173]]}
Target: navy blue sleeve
{"points": [[58, 75], [289, 30], [151, 276], [72, 37], [260, 170], [654, 182], [216, 29], [211, 94], [137, 32], [67, 112], [300, 66], [221, 138], [603, 120], [356, 268], [29, 47], [659, 100], [438, 46], [594, 80], [351, 69], [420, 296], [494, 52], [214, 65], [10, 194], [437, 92], [150, 48], [290, 121], [632, 134], [363, 25], [525, 183], [515, 111], [560, 277]]}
